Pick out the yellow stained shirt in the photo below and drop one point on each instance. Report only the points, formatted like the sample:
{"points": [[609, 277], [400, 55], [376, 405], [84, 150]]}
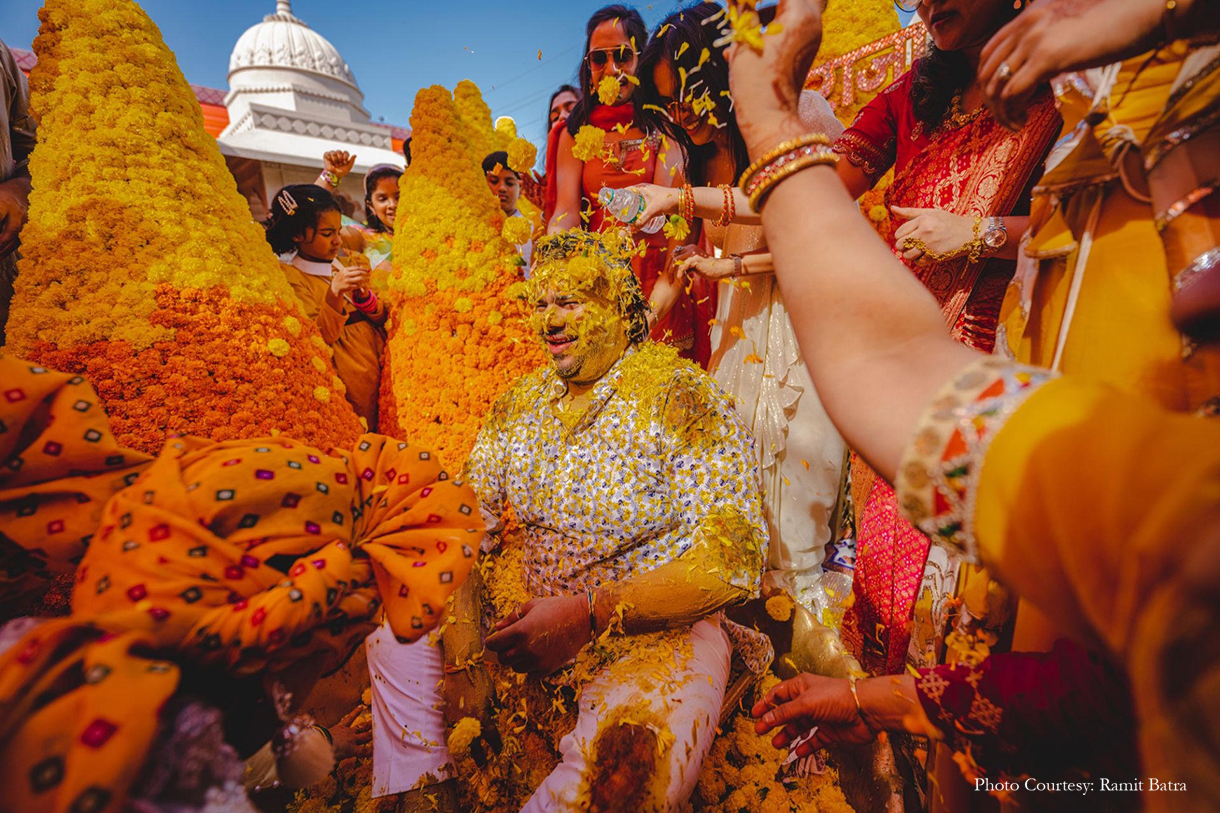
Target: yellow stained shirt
{"points": [[1103, 510], [356, 338]]}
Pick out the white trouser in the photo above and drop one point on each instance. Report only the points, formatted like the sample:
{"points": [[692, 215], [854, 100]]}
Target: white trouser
{"points": [[408, 732], [690, 711]]}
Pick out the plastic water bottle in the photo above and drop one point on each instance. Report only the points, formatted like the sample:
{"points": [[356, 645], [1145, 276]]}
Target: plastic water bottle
{"points": [[626, 206]]}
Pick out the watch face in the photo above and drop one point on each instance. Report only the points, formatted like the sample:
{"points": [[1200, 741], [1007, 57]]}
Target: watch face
{"points": [[995, 238]]}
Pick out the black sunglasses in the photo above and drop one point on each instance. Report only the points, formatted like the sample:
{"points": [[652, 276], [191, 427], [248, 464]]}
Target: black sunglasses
{"points": [[622, 55]]}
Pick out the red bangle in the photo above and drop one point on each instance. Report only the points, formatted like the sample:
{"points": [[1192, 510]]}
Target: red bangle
{"points": [[686, 203], [729, 212]]}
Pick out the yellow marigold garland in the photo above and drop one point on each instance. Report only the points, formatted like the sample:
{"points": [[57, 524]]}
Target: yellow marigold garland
{"points": [[481, 134], [456, 340], [141, 268], [517, 230], [589, 143], [521, 155]]}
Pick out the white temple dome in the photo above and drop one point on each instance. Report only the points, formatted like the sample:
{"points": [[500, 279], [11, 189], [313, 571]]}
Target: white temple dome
{"points": [[283, 41], [292, 97]]}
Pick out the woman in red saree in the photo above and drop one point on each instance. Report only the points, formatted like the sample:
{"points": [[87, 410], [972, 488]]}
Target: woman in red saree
{"points": [[632, 154], [961, 185]]}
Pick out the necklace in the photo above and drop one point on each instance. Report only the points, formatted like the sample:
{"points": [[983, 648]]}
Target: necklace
{"points": [[955, 118]]}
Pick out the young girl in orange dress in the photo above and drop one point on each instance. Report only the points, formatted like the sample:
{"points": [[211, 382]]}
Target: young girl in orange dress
{"points": [[633, 154], [305, 219]]}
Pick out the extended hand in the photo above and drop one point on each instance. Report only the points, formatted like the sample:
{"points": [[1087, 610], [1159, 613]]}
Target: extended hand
{"points": [[767, 86], [14, 204], [658, 200], [1055, 36], [349, 280], [700, 262], [543, 635], [940, 232], [809, 703], [339, 162], [353, 735]]}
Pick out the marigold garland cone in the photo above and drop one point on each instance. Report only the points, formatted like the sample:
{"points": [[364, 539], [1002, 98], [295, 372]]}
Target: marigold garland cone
{"points": [[457, 339], [142, 269]]}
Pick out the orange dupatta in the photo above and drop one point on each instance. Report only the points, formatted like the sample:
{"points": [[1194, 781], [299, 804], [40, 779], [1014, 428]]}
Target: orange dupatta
{"points": [[254, 555]]}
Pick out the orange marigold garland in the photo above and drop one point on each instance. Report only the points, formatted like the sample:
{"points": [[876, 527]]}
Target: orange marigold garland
{"points": [[456, 339], [142, 269]]}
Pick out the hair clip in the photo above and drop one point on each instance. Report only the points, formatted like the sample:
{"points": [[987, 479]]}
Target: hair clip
{"points": [[287, 202]]}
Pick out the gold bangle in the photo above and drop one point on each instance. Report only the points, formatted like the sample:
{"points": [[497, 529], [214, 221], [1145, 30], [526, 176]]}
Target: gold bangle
{"points": [[851, 682], [762, 190], [779, 150]]}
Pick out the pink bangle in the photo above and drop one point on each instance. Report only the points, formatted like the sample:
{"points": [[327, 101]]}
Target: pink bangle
{"points": [[366, 305]]}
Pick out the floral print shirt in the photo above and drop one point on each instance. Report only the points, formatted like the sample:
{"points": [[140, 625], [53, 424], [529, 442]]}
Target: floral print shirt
{"points": [[623, 486]]}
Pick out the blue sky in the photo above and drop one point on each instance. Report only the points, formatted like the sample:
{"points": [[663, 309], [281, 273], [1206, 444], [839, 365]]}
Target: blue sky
{"points": [[394, 47]]}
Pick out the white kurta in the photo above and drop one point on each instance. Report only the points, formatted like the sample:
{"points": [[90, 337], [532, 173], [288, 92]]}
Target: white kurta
{"points": [[800, 452], [760, 366]]}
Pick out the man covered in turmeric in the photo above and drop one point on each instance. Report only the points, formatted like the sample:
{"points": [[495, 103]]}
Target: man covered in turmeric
{"points": [[637, 496]]}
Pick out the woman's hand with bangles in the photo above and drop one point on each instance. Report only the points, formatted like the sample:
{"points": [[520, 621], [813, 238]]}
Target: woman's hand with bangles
{"points": [[658, 200], [931, 231], [689, 259], [821, 708]]}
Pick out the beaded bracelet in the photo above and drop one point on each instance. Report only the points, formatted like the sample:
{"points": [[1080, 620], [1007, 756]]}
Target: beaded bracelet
{"points": [[330, 178], [784, 166], [780, 150], [729, 212]]}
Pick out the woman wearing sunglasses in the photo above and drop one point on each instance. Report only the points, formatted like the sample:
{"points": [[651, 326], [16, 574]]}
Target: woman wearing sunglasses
{"points": [[633, 154]]}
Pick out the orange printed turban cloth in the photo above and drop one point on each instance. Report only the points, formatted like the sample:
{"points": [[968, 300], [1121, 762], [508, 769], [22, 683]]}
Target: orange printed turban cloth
{"points": [[59, 464], [251, 555]]}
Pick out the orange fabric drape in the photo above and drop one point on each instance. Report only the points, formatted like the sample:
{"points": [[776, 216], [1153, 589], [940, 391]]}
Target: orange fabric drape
{"points": [[253, 555]]}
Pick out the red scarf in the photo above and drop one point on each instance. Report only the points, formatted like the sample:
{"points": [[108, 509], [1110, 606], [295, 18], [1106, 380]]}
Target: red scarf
{"points": [[608, 117]]}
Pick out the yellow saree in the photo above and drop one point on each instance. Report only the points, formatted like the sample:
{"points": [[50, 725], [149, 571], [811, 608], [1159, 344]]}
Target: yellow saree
{"points": [[1103, 510]]}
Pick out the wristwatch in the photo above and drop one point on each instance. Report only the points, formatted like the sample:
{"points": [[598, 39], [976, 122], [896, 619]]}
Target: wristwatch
{"points": [[996, 235]]}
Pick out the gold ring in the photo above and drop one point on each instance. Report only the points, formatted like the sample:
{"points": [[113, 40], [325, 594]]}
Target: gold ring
{"points": [[1003, 73]]}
